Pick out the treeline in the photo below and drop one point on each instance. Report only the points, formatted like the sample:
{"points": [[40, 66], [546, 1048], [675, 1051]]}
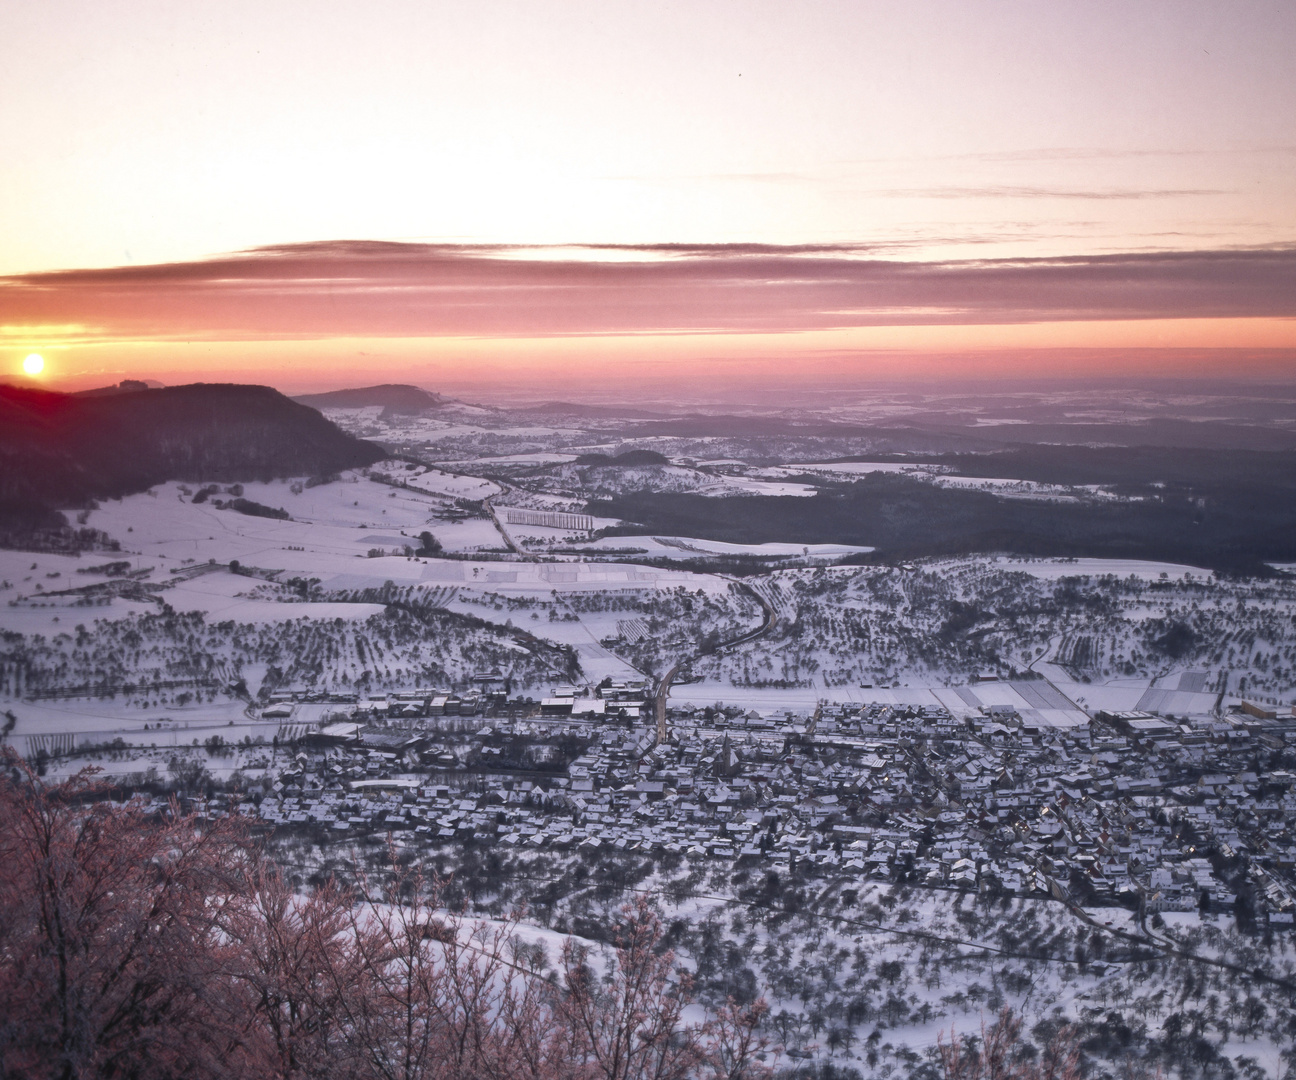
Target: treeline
{"points": [[407, 644], [1231, 528], [141, 946]]}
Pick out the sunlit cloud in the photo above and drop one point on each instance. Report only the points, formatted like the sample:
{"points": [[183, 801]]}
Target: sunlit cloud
{"points": [[403, 290], [589, 316]]}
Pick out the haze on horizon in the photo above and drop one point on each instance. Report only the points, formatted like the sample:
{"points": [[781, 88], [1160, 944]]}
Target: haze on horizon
{"points": [[588, 198]]}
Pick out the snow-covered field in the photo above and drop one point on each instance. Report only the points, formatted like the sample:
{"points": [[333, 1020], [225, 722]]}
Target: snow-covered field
{"points": [[843, 633], [687, 547], [453, 485], [848, 468], [1054, 569], [349, 536], [1053, 711], [942, 476]]}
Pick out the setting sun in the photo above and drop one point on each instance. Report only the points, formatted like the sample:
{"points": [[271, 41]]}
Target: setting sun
{"points": [[33, 364]]}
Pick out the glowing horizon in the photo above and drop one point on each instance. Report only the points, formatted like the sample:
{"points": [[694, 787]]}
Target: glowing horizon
{"points": [[578, 190], [316, 316]]}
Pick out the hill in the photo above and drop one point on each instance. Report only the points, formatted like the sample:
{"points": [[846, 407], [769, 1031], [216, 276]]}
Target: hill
{"points": [[393, 397], [63, 449]]}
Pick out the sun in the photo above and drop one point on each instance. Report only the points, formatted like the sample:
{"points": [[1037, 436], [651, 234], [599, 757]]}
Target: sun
{"points": [[34, 364]]}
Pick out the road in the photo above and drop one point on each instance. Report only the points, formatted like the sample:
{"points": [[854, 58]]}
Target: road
{"points": [[771, 618], [1162, 942], [499, 525], [663, 687]]}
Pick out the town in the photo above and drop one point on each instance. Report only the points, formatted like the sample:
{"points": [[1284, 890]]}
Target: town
{"points": [[1154, 813]]}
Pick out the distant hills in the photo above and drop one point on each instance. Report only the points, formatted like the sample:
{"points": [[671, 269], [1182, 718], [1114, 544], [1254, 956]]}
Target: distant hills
{"points": [[593, 412], [393, 397], [401, 399], [63, 449], [933, 435]]}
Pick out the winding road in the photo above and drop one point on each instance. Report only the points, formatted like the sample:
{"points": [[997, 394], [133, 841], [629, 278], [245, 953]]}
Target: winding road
{"points": [[662, 691]]}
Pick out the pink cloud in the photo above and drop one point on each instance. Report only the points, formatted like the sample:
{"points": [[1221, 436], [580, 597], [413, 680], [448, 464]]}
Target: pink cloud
{"points": [[389, 289]]}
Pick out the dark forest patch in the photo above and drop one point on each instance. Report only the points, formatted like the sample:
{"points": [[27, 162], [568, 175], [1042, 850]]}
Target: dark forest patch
{"points": [[1237, 528]]}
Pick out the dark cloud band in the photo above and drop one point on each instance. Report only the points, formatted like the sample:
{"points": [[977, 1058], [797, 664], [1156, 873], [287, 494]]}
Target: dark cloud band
{"points": [[378, 288]]}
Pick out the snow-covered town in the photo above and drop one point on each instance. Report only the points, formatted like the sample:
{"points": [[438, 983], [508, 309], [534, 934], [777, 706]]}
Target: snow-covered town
{"points": [[1141, 831], [1129, 808]]}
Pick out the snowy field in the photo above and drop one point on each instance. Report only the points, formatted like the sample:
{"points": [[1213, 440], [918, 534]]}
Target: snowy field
{"points": [[451, 485], [687, 547], [862, 633], [1054, 569], [538, 458], [848, 468], [941, 476]]}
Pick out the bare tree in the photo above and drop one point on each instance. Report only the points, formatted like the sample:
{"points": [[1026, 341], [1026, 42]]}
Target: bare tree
{"points": [[144, 945], [109, 934], [996, 1058]]}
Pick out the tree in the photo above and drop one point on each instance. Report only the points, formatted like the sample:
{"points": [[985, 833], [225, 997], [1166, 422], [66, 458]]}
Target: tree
{"points": [[108, 943], [291, 961], [148, 945], [737, 1050], [628, 1025], [995, 1059], [428, 544], [436, 997]]}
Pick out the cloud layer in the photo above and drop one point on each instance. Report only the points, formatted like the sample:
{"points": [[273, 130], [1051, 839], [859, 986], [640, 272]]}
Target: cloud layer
{"points": [[380, 289]]}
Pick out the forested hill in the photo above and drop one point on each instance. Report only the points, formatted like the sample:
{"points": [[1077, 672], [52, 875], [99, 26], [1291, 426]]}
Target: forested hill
{"points": [[395, 398], [61, 449]]}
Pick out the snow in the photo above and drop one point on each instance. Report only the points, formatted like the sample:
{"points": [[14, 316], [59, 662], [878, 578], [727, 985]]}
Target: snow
{"points": [[89, 721], [941, 476], [1054, 569], [539, 458], [741, 485], [803, 699], [341, 519], [451, 485], [687, 547], [1006, 488], [847, 468]]}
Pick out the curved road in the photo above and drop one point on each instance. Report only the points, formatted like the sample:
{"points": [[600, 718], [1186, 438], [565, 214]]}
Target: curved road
{"points": [[662, 691], [663, 688]]}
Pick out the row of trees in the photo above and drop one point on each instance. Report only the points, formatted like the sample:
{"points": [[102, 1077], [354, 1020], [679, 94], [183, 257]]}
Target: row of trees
{"points": [[840, 627], [133, 945], [163, 656]]}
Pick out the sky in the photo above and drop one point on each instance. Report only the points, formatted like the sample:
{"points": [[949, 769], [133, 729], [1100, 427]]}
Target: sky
{"points": [[586, 196]]}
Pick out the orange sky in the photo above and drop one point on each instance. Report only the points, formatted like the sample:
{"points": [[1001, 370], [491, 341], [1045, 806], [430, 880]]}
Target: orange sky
{"points": [[607, 194], [466, 318]]}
